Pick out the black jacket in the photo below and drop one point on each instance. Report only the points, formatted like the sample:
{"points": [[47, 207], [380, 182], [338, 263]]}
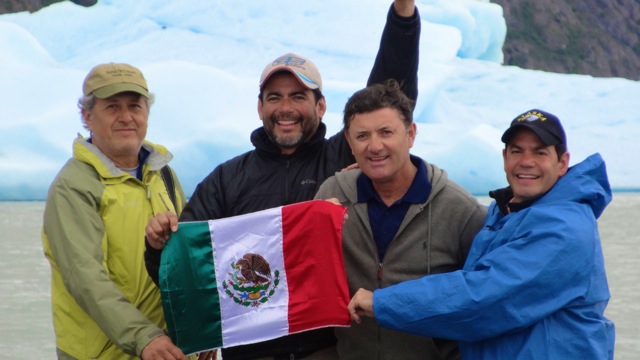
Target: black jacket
{"points": [[265, 178]]}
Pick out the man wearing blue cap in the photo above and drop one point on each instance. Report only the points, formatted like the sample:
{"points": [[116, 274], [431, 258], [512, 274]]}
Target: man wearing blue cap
{"points": [[534, 283]]}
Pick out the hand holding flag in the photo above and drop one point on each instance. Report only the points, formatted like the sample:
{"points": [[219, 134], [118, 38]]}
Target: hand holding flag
{"points": [[159, 229]]}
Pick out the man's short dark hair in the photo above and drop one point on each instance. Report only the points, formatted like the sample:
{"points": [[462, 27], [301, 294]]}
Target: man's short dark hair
{"points": [[376, 97], [560, 149]]}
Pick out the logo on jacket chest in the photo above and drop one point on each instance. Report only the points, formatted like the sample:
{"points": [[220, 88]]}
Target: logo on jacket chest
{"points": [[308, 182]]}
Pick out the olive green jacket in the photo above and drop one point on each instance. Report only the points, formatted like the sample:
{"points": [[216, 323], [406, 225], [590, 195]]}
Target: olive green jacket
{"points": [[104, 304]]}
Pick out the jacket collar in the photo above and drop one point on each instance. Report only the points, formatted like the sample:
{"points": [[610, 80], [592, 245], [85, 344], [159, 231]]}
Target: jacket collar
{"points": [[503, 197], [153, 157]]}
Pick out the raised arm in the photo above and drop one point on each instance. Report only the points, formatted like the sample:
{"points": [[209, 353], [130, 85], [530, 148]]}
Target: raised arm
{"points": [[399, 51]]}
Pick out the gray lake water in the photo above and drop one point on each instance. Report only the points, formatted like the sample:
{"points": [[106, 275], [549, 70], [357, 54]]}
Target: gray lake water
{"points": [[26, 330]]}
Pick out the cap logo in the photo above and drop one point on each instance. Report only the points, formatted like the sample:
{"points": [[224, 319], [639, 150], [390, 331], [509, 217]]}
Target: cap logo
{"points": [[291, 61], [120, 72], [531, 116]]}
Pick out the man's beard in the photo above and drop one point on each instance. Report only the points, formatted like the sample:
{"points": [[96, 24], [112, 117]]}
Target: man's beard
{"points": [[288, 142]]}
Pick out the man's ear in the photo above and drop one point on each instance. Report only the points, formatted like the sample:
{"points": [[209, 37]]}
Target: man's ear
{"points": [[321, 107], [260, 109], [564, 163], [346, 136], [504, 159], [86, 116], [413, 131]]}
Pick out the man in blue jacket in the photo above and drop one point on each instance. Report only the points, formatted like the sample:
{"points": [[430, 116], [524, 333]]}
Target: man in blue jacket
{"points": [[534, 283]]}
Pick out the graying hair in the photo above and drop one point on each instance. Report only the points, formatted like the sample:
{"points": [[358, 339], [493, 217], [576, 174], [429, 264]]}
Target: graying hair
{"points": [[87, 102]]}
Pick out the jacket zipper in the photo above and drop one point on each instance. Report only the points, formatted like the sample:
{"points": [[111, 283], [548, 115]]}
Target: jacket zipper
{"points": [[287, 200], [379, 330]]}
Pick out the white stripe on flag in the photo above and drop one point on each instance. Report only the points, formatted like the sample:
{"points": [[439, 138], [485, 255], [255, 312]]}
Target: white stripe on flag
{"points": [[230, 242]]}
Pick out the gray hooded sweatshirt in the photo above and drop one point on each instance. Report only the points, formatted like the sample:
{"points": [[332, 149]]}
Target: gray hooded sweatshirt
{"points": [[434, 237]]}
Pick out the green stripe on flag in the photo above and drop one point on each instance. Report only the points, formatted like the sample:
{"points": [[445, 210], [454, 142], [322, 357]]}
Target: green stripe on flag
{"points": [[187, 272]]}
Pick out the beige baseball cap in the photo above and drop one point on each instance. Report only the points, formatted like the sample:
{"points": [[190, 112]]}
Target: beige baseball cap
{"points": [[303, 69], [105, 80]]}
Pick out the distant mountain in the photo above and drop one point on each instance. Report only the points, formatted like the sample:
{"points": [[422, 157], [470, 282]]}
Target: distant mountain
{"points": [[13, 6], [593, 37]]}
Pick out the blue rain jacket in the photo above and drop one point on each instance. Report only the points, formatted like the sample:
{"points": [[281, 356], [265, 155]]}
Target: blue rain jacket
{"points": [[533, 286]]}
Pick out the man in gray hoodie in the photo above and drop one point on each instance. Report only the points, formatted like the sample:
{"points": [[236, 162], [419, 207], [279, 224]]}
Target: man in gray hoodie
{"points": [[406, 219]]}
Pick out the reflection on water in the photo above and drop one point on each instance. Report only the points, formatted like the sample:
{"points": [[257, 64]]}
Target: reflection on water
{"points": [[27, 331]]}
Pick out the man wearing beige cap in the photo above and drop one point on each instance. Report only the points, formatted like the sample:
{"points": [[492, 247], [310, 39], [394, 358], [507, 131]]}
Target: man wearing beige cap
{"points": [[290, 161], [104, 304]]}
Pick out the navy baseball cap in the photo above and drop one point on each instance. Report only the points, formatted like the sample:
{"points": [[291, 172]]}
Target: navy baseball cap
{"points": [[546, 125]]}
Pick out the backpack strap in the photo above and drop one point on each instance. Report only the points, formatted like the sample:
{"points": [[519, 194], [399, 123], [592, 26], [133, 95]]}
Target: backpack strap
{"points": [[165, 174]]}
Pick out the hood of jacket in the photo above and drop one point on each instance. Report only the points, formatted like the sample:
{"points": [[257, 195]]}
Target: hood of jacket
{"points": [[158, 156], [585, 182]]}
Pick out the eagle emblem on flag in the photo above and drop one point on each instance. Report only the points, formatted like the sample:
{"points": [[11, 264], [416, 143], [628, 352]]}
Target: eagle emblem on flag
{"points": [[250, 282]]}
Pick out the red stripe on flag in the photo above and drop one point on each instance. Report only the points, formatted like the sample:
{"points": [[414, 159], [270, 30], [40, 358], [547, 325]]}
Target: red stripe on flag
{"points": [[318, 290]]}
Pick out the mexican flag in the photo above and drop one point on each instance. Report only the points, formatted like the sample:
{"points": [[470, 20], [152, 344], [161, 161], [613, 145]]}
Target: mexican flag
{"points": [[255, 277]]}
